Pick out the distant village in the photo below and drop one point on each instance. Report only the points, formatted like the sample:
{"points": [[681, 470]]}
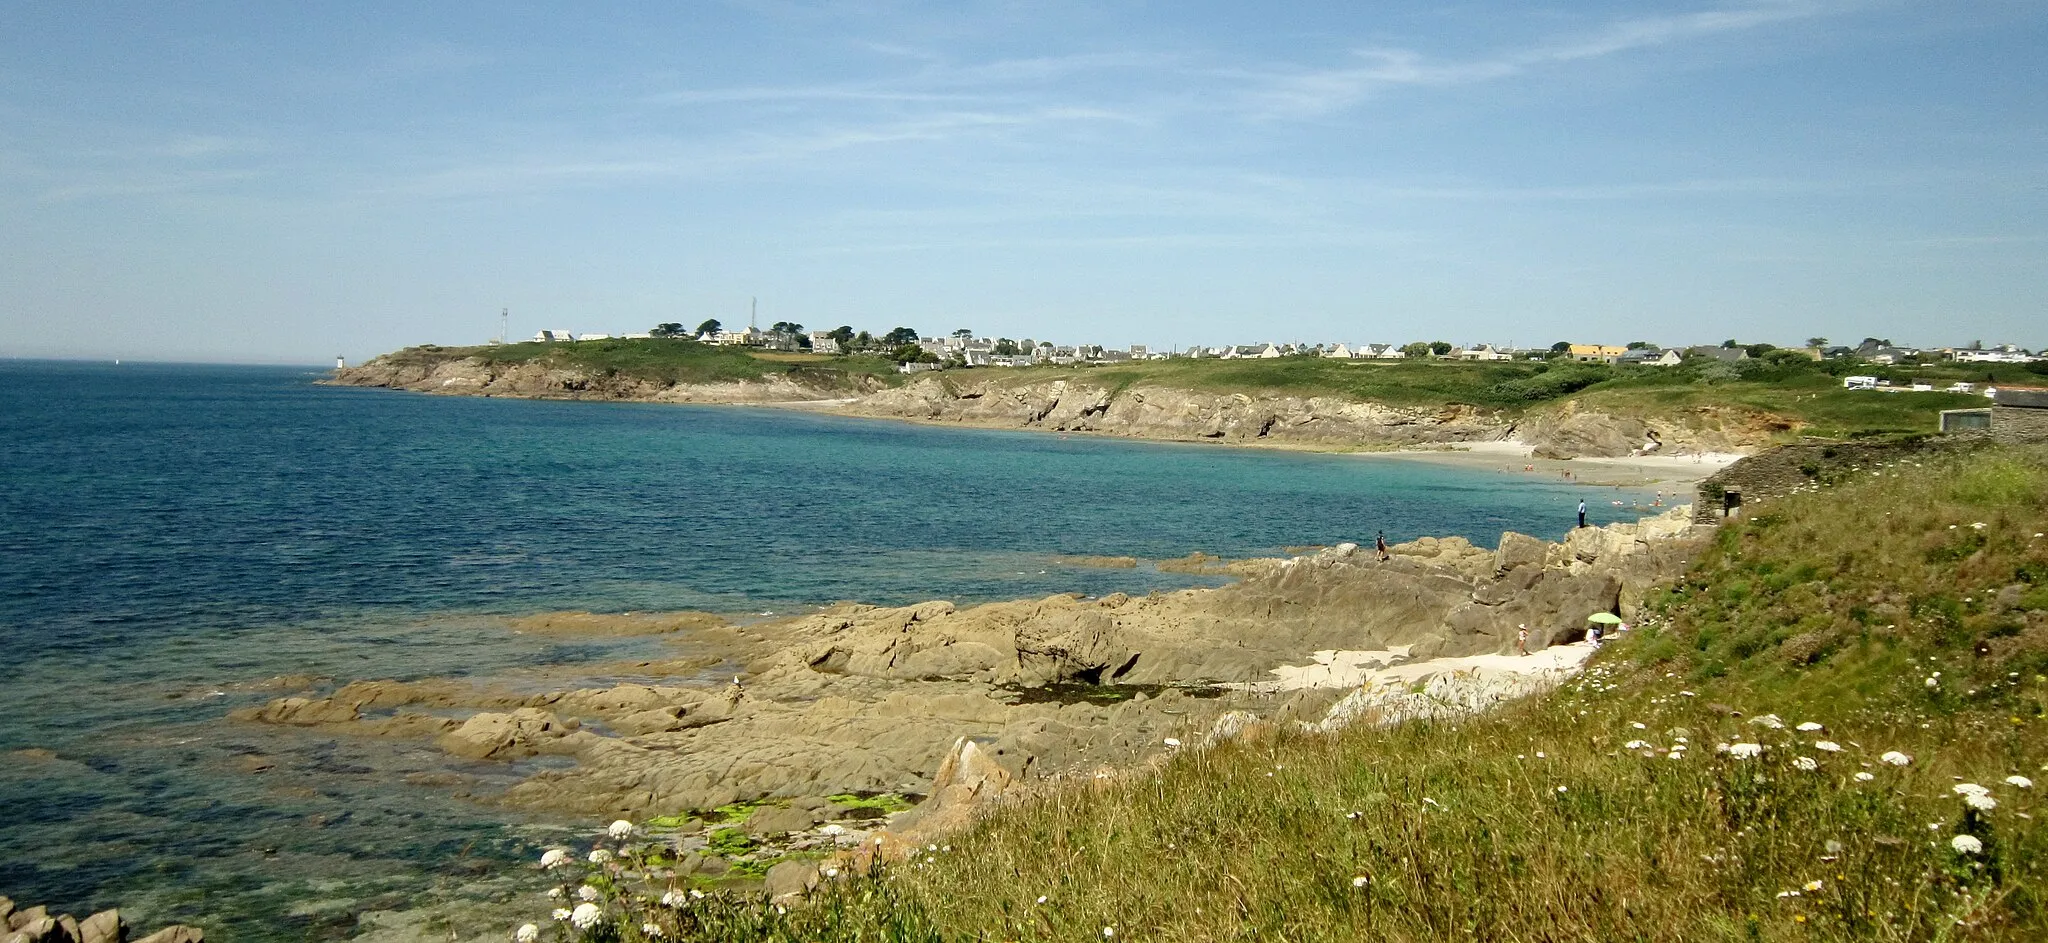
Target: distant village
{"points": [[962, 349]]}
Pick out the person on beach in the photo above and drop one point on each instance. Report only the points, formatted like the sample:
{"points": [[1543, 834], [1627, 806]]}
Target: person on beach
{"points": [[1380, 544], [1522, 640], [1582, 512], [1593, 635]]}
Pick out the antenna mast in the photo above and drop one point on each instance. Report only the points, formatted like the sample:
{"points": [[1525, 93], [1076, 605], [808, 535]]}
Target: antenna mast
{"points": [[753, 313], [504, 325]]}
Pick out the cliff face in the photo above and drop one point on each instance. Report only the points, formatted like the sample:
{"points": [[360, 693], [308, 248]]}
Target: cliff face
{"points": [[1158, 413], [985, 398], [475, 377]]}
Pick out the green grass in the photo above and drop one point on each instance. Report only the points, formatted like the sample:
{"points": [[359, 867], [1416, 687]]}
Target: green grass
{"points": [[1541, 822], [1800, 397], [668, 361]]}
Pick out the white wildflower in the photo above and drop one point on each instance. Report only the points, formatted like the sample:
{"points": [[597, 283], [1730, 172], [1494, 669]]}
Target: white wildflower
{"points": [[1931, 682], [1807, 727], [587, 892], [554, 857], [1108, 932], [1674, 755], [585, 916], [1638, 725], [1969, 789], [2019, 781], [1896, 758], [651, 930], [1805, 763], [1769, 721], [1172, 742], [1977, 526], [1539, 754], [599, 856], [561, 913], [1980, 801], [1041, 898], [1560, 789], [555, 893], [1745, 751], [1966, 845], [620, 830], [1827, 746], [674, 899], [1812, 886], [1687, 694], [696, 894], [1634, 745], [831, 872], [527, 933], [1864, 777]]}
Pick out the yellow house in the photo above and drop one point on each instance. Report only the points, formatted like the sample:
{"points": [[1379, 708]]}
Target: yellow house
{"points": [[1596, 353]]}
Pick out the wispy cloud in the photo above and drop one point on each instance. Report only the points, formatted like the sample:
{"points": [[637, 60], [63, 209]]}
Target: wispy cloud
{"points": [[1313, 92]]}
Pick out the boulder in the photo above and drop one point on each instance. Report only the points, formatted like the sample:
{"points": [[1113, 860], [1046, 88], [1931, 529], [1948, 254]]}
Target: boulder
{"points": [[6, 909], [25, 916], [302, 712], [523, 732], [769, 821], [790, 879], [36, 930], [102, 927], [1518, 550], [176, 934]]}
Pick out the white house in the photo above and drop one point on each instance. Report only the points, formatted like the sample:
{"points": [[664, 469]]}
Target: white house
{"points": [[1481, 352], [1340, 352]]}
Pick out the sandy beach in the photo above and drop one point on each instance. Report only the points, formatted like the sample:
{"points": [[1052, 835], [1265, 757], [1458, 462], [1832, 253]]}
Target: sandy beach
{"points": [[1510, 456]]}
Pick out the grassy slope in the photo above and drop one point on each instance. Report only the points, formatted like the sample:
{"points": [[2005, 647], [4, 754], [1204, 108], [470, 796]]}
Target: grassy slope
{"points": [[1537, 823], [1808, 394], [667, 361]]}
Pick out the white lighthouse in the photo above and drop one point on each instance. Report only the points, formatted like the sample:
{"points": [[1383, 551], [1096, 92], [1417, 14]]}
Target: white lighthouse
{"points": [[339, 362]]}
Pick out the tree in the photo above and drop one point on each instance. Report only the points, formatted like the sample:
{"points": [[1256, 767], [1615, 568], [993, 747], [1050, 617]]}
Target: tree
{"points": [[1439, 348], [1639, 345], [911, 353], [1731, 344], [667, 329], [1758, 350], [844, 335], [863, 341], [1561, 347], [786, 327], [1417, 349], [710, 326], [898, 337], [1821, 342], [1005, 347], [963, 332]]}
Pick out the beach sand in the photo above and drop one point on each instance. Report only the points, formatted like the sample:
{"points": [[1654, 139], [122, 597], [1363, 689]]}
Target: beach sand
{"points": [[1513, 457]]}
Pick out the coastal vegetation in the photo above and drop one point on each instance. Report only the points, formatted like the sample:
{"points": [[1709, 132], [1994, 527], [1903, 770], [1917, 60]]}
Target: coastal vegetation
{"points": [[1830, 729], [1801, 395], [665, 361]]}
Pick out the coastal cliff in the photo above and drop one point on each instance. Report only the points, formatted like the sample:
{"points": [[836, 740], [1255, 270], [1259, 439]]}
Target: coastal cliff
{"points": [[1070, 406]]}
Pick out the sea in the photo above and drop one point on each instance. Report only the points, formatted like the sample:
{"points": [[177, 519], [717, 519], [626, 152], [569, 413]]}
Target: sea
{"points": [[174, 536]]}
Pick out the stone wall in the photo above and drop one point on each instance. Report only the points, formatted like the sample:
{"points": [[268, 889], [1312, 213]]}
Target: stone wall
{"points": [[1773, 474], [2019, 424]]}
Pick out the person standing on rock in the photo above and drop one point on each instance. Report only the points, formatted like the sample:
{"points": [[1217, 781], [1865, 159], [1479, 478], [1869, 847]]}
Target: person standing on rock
{"points": [[1522, 639], [1380, 543], [1582, 512]]}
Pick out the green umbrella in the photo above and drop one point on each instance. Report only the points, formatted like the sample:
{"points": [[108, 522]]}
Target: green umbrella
{"points": [[1604, 618]]}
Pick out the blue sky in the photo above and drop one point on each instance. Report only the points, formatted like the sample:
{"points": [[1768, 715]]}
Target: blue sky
{"points": [[285, 182]]}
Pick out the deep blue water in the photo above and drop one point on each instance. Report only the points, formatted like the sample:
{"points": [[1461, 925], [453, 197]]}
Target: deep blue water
{"points": [[171, 534]]}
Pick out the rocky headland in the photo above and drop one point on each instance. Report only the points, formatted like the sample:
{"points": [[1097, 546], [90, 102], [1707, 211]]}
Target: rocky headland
{"points": [[991, 399], [857, 700]]}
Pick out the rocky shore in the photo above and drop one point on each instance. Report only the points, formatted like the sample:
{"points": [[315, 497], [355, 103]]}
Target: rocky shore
{"points": [[38, 925], [988, 399], [863, 701]]}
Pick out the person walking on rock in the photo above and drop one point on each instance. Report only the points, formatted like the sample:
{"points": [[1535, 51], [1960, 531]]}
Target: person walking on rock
{"points": [[1380, 543], [1582, 512]]}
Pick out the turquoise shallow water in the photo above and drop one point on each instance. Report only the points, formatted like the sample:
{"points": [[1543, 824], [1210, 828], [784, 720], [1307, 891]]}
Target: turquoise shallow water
{"points": [[170, 535]]}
